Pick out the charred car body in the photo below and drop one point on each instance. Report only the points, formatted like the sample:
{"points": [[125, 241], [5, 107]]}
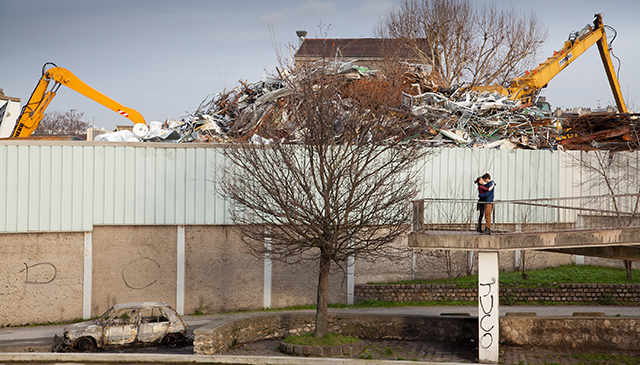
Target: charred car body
{"points": [[133, 324]]}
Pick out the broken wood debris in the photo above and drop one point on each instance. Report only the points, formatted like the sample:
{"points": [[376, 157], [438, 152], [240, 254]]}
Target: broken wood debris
{"points": [[602, 131]]}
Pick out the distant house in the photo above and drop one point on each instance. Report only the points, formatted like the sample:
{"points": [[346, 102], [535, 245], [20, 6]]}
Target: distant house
{"points": [[373, 53]]}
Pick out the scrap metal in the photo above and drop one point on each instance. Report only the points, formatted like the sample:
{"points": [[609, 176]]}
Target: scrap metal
{"points": [[606, 131], [259, 112]]}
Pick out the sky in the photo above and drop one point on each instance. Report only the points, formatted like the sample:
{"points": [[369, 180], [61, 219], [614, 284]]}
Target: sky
{"points": [[163, 57]]}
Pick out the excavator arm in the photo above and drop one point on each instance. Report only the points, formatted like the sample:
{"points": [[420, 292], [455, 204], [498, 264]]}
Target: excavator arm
{"points": [[603, 48], [33, 110], [526, 88]]}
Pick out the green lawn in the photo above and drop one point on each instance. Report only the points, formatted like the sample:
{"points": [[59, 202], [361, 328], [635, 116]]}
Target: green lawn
{"points": [[583, 274]]}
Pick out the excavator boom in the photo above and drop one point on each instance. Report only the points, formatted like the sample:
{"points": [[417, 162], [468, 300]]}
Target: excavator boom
{"points": [[33, 110], [526, 88]]}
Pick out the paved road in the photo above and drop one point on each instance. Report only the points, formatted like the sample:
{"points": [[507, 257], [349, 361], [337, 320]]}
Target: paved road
{"points": [[40, 336]]}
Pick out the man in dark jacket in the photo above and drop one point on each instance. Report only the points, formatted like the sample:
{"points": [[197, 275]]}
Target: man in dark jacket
{"points": [[488, 197]]}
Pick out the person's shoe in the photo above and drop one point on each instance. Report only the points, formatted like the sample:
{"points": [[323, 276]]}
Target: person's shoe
{"points": [[479, 229], [487, 231]]}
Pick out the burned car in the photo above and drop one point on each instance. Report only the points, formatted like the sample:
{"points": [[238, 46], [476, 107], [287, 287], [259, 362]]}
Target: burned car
{"points": [[130, 324]]}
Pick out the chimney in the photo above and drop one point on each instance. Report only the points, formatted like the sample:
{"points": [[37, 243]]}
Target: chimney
{"points": [[301, 34]]}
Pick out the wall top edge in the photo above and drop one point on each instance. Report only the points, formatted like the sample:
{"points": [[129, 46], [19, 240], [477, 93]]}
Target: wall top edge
{"points": [[33, 142], [12, 142]]}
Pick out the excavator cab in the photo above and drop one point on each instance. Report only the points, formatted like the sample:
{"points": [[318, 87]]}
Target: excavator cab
{"points": [[543, 106]]}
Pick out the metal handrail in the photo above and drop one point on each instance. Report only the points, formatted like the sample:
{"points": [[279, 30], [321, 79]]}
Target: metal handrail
{"points": [[523, 215]]}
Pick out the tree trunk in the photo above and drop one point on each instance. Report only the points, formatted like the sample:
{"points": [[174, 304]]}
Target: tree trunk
{"points": [[627, 265], [323, 295], [522, 262]]}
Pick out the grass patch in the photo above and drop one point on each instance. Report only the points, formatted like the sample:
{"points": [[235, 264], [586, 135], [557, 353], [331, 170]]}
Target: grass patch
{"points": [[568, 274], [330, 339], [372, 303], [602, 359]]}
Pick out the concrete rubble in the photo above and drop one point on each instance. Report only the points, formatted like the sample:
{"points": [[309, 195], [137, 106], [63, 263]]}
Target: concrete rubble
{"points": [[436, 116]]}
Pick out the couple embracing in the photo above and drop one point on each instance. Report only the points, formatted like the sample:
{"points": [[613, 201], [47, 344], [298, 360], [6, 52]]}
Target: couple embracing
{"points": [[485, 199]]}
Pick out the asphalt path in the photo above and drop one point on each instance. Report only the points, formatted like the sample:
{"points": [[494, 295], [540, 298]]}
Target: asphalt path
{"points": [[39, 337]]}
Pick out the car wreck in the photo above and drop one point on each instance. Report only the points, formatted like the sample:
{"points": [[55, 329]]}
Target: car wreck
{"points": [[128, 324]]}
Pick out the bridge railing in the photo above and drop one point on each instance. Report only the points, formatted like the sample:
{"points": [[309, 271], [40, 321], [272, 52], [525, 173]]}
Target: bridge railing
{"points": [[529, 215]]}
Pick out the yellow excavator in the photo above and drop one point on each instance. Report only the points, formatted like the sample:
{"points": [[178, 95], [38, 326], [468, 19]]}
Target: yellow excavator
{"points": [[33, 111], [526, 88]]}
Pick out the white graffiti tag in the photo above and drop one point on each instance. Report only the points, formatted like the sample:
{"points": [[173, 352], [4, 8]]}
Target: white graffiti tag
{"points": [[486, 305]]}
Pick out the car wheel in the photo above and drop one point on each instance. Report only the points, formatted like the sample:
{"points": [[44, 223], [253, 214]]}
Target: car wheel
{"points": [[86, 344], [172, 339]]}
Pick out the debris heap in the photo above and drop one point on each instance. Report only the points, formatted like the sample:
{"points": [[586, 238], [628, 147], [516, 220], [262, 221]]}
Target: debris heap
{"points": [[435, 116], [613, 132]]}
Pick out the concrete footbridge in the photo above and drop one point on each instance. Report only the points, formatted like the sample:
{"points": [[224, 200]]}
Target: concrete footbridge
{"points": [[603, 226]]}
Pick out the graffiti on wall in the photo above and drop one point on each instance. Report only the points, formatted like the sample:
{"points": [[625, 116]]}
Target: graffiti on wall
{"points": [[486, 306], [40, 273], [141, 273]]}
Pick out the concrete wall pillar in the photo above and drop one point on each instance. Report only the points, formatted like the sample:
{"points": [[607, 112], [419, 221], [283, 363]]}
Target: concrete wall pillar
{"points": [[351, 280], [266, 301], [488, 307], [180, 270], [88, 270]]}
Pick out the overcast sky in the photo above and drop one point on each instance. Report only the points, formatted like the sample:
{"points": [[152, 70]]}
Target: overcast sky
{"points": [[162, 57]]}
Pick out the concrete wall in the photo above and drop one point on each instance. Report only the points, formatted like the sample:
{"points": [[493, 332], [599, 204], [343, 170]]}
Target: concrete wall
{"points": [[133, 264], [43, 273], [297, 284], [604, 333], [220, 275], [41, 277]]}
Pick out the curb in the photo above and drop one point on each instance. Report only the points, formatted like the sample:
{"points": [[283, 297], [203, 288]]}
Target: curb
{"points": [[200, 359]]}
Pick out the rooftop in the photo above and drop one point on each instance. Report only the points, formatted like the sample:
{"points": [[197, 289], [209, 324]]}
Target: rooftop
{"points": [[354, 47]]}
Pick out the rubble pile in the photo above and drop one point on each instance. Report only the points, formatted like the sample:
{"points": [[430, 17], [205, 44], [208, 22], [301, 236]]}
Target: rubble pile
{"points": [[434, 116], [481, 120], [435, 119], [614, 132]]}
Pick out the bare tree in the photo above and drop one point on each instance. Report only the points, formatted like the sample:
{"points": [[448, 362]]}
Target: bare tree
{"points": [[526, 262], [478, 44], [337, 185], [613, 173], [58, 123]]}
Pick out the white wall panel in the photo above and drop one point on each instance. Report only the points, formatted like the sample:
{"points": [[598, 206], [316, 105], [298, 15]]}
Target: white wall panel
{"points": [[199, 187], [137, 187], [149, 185], [33, 220], [87, 188], [190, 186], [22, 188], [44, 189], [55, 192], [71, 186], [519, 174], [179, 209], [159, 182]]}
